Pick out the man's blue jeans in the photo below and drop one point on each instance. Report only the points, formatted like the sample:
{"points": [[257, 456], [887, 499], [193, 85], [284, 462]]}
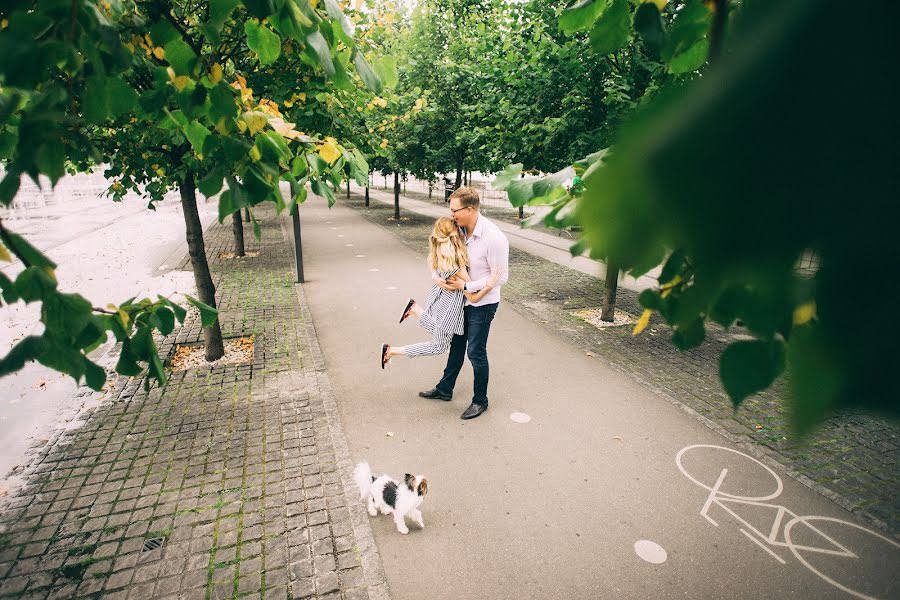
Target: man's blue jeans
{"points": [[473, 341]]}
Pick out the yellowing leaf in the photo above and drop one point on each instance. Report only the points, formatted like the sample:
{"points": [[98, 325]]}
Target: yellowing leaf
{"points": [[668, 287], [215, 73], [301, 96], [159, 53], [329, 151], [642, 322], [804, 313], [123, 316], [4, 254], [660, 4], [383, 144], [255, 120], [222, 126], [255, 154], [313, 3]]}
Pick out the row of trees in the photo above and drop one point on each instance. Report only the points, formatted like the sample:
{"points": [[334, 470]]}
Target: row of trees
{"points": [[170, 94], [718, 141]]}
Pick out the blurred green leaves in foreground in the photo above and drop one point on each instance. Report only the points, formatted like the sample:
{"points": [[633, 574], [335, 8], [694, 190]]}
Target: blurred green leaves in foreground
{"points": [[785, 148]]}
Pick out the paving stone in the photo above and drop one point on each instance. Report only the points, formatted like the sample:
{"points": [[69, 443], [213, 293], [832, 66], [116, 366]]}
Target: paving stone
{"points": [[186, 461]]}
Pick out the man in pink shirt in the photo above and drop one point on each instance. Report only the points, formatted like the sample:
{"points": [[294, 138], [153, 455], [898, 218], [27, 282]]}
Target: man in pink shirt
{"points": [[488, 253]]}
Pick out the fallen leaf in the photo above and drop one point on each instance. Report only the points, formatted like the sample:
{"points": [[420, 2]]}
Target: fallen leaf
{"points": [[390, 434], [615, 437], [590, 354], [41, 385]]}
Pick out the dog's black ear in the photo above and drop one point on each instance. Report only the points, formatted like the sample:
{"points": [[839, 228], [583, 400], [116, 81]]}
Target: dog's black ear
{"points": [[410, 481]]}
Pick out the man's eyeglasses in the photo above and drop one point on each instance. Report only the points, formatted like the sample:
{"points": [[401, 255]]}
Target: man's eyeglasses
{"points": [[453, 211]]}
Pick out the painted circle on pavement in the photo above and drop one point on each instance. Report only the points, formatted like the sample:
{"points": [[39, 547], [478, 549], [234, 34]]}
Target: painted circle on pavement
{"points": [[650, 551]]}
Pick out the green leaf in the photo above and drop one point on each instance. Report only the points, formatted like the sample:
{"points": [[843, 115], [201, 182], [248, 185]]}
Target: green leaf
{"points": [[219, 12], [222, 103], [51, 160], [257, 233], [180, 313], [181, 57], [163, 32], [121, 97], [196, 135], [9, 186], [34, 284], [506, 176], [95, 101], [94, 375], [263, 41], [581, 15], [318, 43], [127, 364], [63, 359], [611, 30], [672, 267], [649, 24], [211, 184], [748, 367], [25, 351], [230, 201], [690, 335], [691, 59], [8, 288], [208, 314], [29, 254], [816, 377], [366, 73], [320, 189], [651, 299], [65, 313], [386, 68], [164, 320]]}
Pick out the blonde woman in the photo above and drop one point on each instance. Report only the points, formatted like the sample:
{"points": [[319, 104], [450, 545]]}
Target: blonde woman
{"points": [[442, 313]]}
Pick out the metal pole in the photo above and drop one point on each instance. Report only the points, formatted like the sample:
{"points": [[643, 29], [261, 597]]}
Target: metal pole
{"points": [[298, 245]]}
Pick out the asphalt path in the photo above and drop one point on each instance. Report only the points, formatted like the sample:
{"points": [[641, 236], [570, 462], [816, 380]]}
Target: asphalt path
{"points": [[606, 491]]}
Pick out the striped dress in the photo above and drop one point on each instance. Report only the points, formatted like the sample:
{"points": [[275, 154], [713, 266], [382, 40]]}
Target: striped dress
{"points": [[442, 317]]}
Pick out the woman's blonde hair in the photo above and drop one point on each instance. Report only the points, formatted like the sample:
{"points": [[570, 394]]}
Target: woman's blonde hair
{"points": [[446, 247]]}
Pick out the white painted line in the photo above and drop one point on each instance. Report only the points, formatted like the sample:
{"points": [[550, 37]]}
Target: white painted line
{"points": [[760, 544], [650, 552]]}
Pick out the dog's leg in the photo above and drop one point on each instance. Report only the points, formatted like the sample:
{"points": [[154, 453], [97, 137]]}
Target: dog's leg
{"points": [[371, 506], [416, 515], [401, 523]]}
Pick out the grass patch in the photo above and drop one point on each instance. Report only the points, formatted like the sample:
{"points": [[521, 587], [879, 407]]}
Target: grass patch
{"points": [[160, 533], [76, 571], [82, 550]]}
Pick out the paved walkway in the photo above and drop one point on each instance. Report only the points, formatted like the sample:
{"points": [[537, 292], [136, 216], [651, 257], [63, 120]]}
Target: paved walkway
{"points": [[241, 474], [239, 471], [565, 504], [854, 457]]}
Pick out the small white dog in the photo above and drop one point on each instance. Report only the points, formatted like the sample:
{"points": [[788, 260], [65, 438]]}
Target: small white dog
{"points": [[390, 496]]}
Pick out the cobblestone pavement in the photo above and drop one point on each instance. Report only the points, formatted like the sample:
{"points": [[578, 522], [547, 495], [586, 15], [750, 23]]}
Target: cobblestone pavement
{"points": [[853, 458], [240, 472]]}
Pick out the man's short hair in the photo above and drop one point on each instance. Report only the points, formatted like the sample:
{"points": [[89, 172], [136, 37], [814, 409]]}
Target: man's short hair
{"points": [[467, 197]]}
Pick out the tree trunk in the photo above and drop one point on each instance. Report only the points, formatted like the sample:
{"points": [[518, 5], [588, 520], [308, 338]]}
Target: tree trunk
{"points": [[459, 172], [367, 196], [608, 311], [430, 189], [396, 196], [237, 226], [522, 208], [348, 188], [246, 215], [202, 278]]}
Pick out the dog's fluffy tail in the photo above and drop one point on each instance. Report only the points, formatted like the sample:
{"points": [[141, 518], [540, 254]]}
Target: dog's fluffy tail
{"points": [[362, 475]]}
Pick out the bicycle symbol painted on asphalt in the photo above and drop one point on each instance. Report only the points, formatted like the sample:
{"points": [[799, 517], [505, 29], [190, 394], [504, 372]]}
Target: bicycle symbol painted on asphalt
{"points": [[821, 544]]}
